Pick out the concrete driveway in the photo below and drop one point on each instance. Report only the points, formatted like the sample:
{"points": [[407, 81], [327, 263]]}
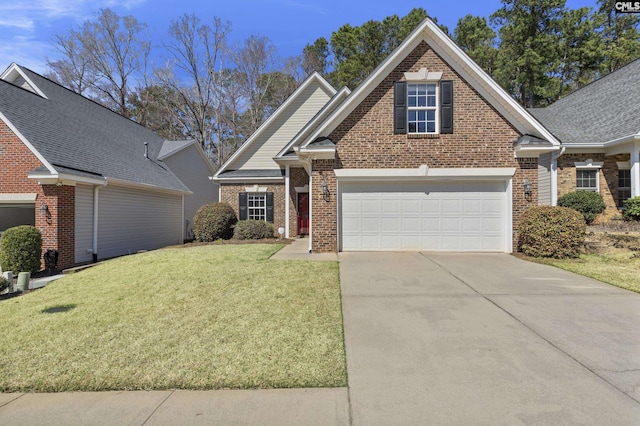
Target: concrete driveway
{"points": [[486, 339]]}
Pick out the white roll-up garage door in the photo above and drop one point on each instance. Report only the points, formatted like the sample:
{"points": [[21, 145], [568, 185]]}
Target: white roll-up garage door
{"points": [[457, 215]]}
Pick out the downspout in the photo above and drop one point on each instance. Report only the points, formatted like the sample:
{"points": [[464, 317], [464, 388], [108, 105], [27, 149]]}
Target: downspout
{"points": [[310, 204], [183, 223], [95, 222], [554, 175], [287, 201]]}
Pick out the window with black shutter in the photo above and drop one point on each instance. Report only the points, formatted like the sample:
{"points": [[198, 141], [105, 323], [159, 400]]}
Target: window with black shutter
{"points": [[423, 107], [256, 206]]}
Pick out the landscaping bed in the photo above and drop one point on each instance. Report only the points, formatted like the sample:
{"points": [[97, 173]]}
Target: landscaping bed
{"points": [[199, 317]]}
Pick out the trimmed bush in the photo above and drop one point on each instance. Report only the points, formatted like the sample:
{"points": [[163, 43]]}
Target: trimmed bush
{"points": [[4, 283], [21, 249], [253, 230], [213, 222], [546, 231], [589, 203], [632, 209]]}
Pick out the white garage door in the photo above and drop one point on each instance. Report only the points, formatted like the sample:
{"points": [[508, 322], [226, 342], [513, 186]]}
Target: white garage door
{"points": [[442, 216]]}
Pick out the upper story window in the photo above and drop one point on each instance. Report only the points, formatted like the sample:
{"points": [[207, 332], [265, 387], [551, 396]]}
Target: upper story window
{"points": [[422, 107]]}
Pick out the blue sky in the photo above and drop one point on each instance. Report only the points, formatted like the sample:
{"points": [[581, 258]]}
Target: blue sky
{"points": [[26, 27]]}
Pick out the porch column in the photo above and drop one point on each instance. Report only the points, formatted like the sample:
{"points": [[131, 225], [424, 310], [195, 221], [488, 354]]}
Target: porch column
{"points": [[635, 169], [287, 195]]}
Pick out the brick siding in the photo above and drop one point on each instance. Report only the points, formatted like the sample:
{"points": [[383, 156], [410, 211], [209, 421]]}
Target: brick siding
{"points": [[229, 194], [608, 177], [365, 139], [58, 229]]}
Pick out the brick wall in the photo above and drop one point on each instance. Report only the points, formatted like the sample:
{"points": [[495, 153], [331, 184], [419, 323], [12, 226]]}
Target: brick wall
{"points": [[365, 139], [608, 177], [229, 194], [57, 229]]}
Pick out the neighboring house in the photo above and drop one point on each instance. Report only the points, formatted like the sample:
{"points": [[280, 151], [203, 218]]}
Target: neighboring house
{"points": [[599, 127], [91, 180], [188, 161], [428, 153]]}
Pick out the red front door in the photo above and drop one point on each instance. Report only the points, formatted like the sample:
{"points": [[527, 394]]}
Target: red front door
{"points": [[303, 213]]}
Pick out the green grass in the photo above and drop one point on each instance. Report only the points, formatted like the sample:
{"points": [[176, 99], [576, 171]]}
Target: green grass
{"points": [[620, 269], [207, 317]]}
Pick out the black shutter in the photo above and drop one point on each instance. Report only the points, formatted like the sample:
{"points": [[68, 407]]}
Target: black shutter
{"points": [[446, 106], [400, 107], [270, 207], [242, 205]]}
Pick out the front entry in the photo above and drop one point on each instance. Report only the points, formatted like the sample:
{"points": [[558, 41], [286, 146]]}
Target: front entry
{"points": [[303, 213]]}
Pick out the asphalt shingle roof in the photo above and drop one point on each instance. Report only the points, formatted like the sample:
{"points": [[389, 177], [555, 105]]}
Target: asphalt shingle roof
{"points": [[251, 173], [605, 110], [76, 134]]}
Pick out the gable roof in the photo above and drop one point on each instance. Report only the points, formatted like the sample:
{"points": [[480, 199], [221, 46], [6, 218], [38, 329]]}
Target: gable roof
{"points": [[603, 111], [255, 136], [75, 136], [460, 62]]}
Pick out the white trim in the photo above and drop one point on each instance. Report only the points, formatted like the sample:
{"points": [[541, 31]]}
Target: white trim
{"points": [[623, 165], [15, 68], [255, 188], [18, 198], [423, 75], [634, 163], [65, 179], [248, 179], [146, 186], [588, 164], [302, 188], [508, 234], [460, 62], [287, 203], [317, 153], [254, 136], [435, 108], [327, 109], [424, 172], [24, 140]]}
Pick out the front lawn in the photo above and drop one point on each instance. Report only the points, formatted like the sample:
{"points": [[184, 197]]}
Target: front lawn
{"points": [[619, 268], [205, 317]]}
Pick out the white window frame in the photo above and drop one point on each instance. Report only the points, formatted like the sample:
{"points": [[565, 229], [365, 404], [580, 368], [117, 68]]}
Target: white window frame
{"points": [[589, 165], [256, 212], [435, 108]]}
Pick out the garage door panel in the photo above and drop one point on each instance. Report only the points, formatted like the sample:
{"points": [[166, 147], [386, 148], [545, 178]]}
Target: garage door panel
{"points": [[450, 216]]}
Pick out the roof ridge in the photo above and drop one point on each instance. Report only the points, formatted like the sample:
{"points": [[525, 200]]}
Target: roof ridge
{"points": [[83, 97]]}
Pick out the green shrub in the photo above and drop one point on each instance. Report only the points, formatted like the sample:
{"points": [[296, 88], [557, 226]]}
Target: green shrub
{"points": [[253, 230], [546, 231], [589, 203], [4, 283], [213, 222], [632, 209], [21, 249]]}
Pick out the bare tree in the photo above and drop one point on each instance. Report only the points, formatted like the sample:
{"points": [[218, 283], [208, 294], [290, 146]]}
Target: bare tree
{"points": [[103, 57], [196, 52], [73, 70]]}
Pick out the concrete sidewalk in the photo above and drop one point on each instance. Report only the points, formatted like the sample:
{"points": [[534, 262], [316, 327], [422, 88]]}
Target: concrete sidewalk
{"points": [[298, 249], [225, 407]]}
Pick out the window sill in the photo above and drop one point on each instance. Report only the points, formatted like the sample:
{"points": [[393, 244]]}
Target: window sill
{"points": [[423, 136]]}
